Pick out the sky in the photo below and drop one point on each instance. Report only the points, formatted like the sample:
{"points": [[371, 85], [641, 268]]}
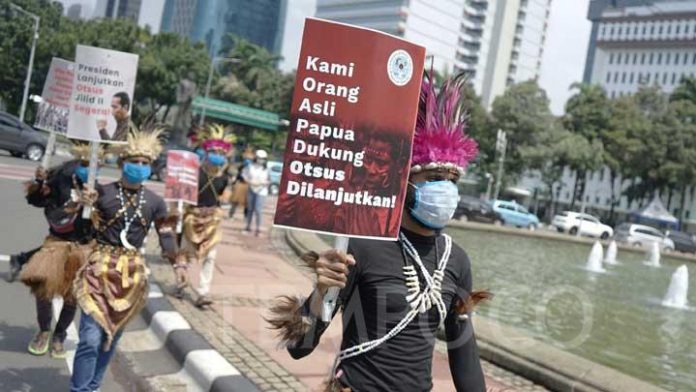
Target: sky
{"points": [[297, 11], [566, 48]]}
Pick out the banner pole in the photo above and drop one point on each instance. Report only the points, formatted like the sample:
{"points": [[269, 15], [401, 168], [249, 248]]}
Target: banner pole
{"points": [[48, 153], [93, 158], [329, 302]]}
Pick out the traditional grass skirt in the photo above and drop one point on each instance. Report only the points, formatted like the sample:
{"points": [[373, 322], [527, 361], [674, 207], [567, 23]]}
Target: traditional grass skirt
{"points": [[239, 193], [51, 271], [112, 287], [202, 231]]}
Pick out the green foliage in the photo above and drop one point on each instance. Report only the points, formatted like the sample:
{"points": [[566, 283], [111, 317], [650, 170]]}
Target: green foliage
{"points": [[523, 113], [587, 112], [686, 91], [164, 58], [256, 82], [164, 61]]}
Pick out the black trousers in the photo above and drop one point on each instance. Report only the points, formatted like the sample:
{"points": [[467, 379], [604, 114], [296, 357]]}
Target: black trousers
{"points": [[44, 314], [24, 257]]}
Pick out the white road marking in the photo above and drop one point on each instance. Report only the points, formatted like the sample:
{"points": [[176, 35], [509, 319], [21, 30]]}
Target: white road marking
{"points": [[71, 340], [4, 258]]}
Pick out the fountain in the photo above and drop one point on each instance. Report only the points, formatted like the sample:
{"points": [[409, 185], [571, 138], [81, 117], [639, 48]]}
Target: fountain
{"points": [[678, 289], [610, 256], [653, 255], [594, 260]]}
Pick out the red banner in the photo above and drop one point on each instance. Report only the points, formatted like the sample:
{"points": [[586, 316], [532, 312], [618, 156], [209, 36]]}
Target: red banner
{"points": [[182, 177], [352, 121], [54, 108]]}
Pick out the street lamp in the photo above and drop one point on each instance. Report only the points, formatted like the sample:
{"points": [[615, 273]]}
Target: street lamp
{"points": [[210, 80], [27, 82]]}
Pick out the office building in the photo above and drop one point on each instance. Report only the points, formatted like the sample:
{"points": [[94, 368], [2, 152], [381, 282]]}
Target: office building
{"points": [[210, 21], [633, 43], [636, 43], [497, 43]]}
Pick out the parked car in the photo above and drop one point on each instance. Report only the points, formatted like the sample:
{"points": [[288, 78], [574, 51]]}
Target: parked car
{"points": [[275, 169], [570, 222], [683, 242], [476, 210], [514, 214], [641, 235], [20, 139]]}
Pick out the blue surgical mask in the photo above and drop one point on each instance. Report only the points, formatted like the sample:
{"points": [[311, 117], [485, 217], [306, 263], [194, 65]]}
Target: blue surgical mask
{"points": [[216, 159], [435, 203], [201, 153], [82, 173], [136, 174]]}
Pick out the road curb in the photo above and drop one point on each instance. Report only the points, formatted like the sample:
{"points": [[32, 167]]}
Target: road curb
{"points": [[206, 366]]}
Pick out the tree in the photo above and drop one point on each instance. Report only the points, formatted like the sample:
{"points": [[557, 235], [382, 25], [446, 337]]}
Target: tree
{"points": [[164, 61], [548, 157], [523, 113], [256, 82], [16, 32], [587, 115], [683, 108], [623, 143], [686, 91]]}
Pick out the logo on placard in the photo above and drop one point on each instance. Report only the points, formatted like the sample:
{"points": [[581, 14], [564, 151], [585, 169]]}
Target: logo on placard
{"points": [[400, 67]]}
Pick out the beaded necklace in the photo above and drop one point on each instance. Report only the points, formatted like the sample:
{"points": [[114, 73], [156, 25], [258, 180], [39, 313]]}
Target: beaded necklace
{"points": [[123, 211], [420, 301]]}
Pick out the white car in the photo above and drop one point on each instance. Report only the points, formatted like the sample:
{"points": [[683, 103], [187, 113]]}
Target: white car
{"points": [[588, 225], [641, 235]]}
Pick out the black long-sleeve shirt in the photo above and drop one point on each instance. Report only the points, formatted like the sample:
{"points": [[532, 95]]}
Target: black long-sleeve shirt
{"points": [[374, 301], [154, 209], [210, 189], [61, 211]]}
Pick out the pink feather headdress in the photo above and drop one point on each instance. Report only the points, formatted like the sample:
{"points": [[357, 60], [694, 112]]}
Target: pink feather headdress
{"points": [[215, 137], [440, 141]]}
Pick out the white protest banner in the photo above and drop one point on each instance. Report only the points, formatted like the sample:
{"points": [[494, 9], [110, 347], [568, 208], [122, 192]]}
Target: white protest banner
{"points": [[102, 96]]}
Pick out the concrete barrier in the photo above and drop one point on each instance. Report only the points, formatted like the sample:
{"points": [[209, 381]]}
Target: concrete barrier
{"points": [[554, 236]]}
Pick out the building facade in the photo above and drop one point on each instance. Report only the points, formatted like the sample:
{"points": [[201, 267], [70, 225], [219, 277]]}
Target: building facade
{"points": [[210, 21], [633, 43], [74, 11], [123, 9], [641, 43], [497, 43]]}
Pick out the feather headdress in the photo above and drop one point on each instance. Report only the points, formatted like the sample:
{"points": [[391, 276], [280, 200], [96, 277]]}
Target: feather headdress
{"points": [[142, 143], [440, 141], [213, 136], [83, 151]]}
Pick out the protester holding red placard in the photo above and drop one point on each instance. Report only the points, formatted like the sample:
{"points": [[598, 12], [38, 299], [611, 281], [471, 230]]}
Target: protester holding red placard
{"points": [[395, 295], [202, 222]]}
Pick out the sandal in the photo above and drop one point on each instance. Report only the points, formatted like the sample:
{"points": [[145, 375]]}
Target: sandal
{"points": [[39, 345]]}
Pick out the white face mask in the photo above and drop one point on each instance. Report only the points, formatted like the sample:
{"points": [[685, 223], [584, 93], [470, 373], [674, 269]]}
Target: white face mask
{"points": [[435, 203]]}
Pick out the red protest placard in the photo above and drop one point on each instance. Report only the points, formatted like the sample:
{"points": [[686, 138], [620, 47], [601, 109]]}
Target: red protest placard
{"points": [[182, 177], [352, 121], [54, 109]]}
